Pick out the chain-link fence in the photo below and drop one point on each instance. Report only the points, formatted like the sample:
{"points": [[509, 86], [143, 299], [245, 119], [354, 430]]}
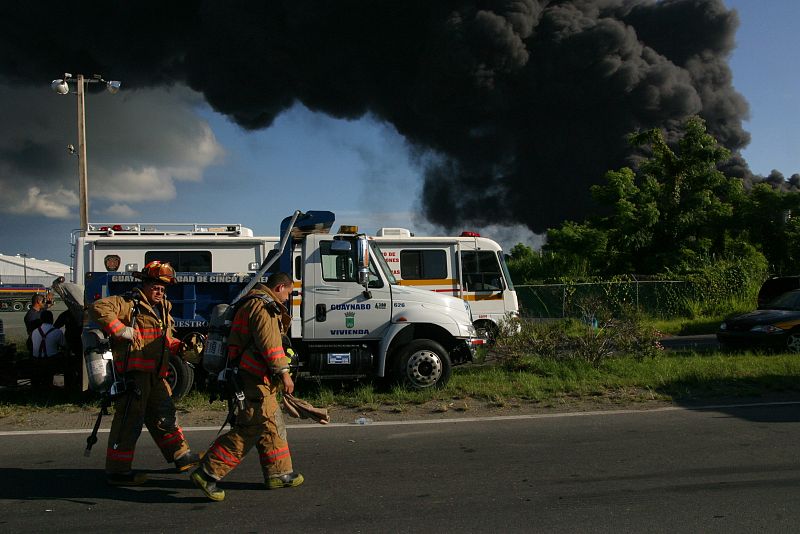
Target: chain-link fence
{"points": [[663, 298]]}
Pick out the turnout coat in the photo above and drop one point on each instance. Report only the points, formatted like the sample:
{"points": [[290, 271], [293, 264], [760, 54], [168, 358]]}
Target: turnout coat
{"points": [[155, 342], [256, 335]]}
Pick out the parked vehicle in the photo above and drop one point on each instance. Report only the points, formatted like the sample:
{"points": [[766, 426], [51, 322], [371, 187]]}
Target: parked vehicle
{"points": [[17, 297], [350, 317], [468, 266], [775, 325]]}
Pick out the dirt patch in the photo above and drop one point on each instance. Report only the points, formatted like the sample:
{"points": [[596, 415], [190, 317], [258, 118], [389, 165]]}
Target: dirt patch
{"points": [[40, 419], [59, 419]]}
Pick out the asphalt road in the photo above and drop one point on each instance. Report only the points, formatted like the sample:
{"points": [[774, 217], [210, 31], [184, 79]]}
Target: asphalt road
{"points": [[675, 470]]}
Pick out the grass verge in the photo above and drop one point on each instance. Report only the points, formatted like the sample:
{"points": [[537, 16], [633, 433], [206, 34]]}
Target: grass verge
{"points": [[669, 377], [675, 377]]}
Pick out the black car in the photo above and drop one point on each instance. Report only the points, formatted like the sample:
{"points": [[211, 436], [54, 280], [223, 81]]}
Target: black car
{"points": [[774, 325]]}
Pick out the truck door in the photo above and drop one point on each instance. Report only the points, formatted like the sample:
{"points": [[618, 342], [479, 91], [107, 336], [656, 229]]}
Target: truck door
{"points": [[334, 303]]}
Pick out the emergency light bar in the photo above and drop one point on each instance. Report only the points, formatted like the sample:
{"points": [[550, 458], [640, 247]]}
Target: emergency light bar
{"points": [[110, 229]]}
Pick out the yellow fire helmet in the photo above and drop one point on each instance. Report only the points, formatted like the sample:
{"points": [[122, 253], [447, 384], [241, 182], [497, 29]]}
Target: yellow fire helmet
{"points": [[156, 271]]}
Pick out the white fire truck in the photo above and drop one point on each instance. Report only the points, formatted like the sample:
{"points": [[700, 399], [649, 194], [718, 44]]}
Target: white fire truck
{"points": [[351, 319]]}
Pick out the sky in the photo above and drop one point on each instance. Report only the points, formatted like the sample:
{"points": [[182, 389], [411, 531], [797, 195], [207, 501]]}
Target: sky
{"points": [[162, 154]]}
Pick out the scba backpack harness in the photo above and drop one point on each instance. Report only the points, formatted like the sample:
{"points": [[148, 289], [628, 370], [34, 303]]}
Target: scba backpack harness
{"points": [[228, 385]]}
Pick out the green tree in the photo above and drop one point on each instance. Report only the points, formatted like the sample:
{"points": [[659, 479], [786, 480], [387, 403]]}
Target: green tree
{"points": [[672, 214], [764, 218], [527, 266]]}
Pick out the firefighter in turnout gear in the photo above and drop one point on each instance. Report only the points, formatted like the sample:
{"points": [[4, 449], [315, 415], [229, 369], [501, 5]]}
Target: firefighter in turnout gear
{"points": [[255, 346], [140, 327]]}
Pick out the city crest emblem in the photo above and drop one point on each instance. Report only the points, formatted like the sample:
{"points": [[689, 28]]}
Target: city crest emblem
{"points": [[349, 319]]}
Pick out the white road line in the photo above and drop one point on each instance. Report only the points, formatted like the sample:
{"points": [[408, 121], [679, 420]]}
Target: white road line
{"points": [[442, 421]]}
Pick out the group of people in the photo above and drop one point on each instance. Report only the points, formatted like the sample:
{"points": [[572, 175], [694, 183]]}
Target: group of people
{"points": [[52, 351], [140, 327]]}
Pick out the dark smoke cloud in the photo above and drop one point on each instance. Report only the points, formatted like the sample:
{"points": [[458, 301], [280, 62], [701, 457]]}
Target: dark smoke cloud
{"points": [[514, 106]]}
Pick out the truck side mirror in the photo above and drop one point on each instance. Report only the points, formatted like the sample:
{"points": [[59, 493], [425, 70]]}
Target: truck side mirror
{"points": [[363, 264]]}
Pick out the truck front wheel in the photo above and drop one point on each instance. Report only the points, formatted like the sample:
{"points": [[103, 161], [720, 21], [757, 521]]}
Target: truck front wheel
{"points": [[423, 363]]}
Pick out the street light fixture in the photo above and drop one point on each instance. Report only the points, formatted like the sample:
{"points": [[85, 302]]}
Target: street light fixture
{"points": [[61, 86]]}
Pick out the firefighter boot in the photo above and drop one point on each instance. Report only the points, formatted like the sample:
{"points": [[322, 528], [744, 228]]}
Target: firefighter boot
{"points": [[288, 480], [187, 461], [131, 478], [207, 484]]}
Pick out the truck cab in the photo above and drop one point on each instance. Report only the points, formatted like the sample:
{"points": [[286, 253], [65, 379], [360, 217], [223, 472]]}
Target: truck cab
{"points": [[356, 320]]}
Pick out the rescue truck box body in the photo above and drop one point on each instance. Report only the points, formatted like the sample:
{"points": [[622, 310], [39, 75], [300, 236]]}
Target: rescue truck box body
{"points": [[343, 326], [211, 262]]}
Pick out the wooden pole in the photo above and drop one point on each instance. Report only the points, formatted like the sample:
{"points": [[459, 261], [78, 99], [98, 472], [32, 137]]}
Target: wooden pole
{"points": [[83, 181]]}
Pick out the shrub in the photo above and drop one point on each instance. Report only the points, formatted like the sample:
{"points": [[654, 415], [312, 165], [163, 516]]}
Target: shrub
{"points": [[598, 335]]}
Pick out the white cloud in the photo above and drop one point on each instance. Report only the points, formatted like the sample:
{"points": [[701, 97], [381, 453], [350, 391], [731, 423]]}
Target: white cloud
{"points": [[506, 236], [121, 211], [135, 185], [139, 144], [56, 204]]}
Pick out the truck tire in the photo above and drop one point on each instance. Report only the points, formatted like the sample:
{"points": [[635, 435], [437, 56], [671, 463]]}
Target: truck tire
{"points": [[180, 377], [422, 364], [17, 306]]}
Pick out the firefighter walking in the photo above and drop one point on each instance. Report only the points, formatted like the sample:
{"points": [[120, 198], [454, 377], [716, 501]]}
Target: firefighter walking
{"points": [[255, 346], [140, 327]]}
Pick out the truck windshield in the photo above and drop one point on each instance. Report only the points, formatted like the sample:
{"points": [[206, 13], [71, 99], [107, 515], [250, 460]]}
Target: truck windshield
{"points": [[377, 256], [506, 274]]}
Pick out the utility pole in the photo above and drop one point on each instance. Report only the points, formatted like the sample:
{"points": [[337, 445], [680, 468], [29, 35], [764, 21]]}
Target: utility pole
{"points": [[61, 86], [83, 179]]}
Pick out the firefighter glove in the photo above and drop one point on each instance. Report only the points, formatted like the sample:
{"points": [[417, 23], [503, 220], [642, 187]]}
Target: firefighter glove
{"points": [[127, 333]]}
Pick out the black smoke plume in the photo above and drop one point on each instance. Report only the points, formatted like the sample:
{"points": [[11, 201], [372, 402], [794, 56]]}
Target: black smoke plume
{"points": [[514, 107]]}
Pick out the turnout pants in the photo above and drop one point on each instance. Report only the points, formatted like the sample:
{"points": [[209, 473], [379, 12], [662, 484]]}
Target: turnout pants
{"points": [[262, 425], [153, 408]]}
